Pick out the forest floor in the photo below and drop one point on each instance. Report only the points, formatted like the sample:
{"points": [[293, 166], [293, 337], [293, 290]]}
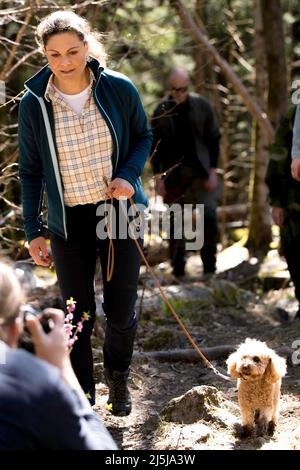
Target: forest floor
{"points": [[239, 302]]}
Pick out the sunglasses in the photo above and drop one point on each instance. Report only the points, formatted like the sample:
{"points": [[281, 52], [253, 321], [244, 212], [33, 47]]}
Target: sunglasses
{"points": [[182, 89]]}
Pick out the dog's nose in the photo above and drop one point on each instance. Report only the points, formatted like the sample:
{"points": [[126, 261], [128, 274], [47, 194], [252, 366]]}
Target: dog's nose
{"points": [[246, 367]]}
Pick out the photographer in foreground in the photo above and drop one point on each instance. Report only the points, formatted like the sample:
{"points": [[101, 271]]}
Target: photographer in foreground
{"points": [[42, 405]]}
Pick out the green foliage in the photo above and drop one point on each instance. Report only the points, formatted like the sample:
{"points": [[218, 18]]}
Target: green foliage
{"points": [[195, 312], [145, 40]]}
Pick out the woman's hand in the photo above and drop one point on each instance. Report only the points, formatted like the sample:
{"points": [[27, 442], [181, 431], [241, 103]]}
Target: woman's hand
{"points": [[39, 253], [119, 189], [295, 168], [278, 215]]}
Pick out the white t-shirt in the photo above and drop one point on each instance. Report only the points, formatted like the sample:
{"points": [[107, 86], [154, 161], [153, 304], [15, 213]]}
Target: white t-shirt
{"points": [[77, 101]]}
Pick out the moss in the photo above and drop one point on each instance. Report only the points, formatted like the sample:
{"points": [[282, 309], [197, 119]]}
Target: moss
{"points": [[164, 339], [194, 312]]}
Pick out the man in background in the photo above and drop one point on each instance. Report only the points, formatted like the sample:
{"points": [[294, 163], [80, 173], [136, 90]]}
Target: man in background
{"points": [[185, 156]]}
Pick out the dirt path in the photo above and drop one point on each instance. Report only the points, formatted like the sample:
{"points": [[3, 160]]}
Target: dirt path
{"points": [[215, 314], [154, 384]]}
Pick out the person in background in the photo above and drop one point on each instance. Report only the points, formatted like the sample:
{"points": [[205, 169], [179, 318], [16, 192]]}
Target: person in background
{"points": [[284, 196], [185, 153], [84, 139], [42, 405], [295, 163]]}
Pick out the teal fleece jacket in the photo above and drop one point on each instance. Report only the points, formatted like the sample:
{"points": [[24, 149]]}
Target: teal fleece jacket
{"points": [[119, 103]]}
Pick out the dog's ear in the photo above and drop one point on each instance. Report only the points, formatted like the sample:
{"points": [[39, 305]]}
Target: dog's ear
{"points": [[276, 368], [231, 366]]}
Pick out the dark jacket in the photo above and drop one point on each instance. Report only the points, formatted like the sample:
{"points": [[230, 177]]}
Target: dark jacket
{"points": [[119, 103], [204, 128], [39, 411], [284, 191]]}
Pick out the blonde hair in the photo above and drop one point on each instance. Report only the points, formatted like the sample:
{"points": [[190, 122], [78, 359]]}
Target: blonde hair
{"points": [[64, 21], [11, 294]]}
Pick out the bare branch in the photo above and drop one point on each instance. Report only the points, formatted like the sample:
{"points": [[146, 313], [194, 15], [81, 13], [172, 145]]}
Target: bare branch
{"points": [[7, 66], [258, 114]]}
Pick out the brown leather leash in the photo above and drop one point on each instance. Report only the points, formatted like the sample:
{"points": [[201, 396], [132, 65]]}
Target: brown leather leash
{"points": [[111, 249], [110, 269]]}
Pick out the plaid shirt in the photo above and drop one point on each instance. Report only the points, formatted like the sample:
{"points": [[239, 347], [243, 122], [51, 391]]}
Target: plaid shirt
{"points": [[84, 146]]}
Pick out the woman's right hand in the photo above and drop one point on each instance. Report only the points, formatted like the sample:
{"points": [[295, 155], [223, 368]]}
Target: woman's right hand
{"points": [[278, 215], [39, 253]]}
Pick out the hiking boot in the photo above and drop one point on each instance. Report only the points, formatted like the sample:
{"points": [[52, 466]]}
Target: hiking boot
{"points": [[119, 401]]}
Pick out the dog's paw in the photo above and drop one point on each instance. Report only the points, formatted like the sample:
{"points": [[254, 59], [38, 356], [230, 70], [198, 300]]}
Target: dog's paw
{"points": [[271, 428], [246, 431]]}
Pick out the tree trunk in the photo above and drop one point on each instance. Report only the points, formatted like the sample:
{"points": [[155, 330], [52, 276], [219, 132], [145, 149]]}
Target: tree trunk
{"points": [[187, 355], [260, 220], [276, 61], [190, 355], [199, 69]]}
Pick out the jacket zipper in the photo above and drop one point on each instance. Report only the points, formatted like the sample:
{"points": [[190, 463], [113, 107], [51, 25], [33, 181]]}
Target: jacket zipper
{"points": [[53, 156], [109, 120]]}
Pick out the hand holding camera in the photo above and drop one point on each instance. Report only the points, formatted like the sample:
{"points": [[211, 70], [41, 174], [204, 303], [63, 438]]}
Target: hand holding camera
{"points": [[48, 336], [51, 342]]}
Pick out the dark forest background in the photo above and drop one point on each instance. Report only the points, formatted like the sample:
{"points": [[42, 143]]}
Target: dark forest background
{"points": [[244, 55]]}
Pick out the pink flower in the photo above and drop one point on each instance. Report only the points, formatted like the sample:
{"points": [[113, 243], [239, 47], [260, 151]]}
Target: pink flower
{"points": [[69, 317], [69, 327], [71, 305]]}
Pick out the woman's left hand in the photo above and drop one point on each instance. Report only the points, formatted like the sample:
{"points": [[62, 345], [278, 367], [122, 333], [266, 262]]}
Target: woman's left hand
{"points": [[119, 188]]}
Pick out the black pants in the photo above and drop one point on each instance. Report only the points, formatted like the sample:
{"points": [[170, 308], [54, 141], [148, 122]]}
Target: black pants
{"points": [[194, 193], [75, 262], [207, 253], [290, 244]]}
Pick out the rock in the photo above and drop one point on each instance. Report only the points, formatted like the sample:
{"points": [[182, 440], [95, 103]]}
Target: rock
{"points": [[226, 293], [275, 281], [25, 273], [198, 432], [198, 403], [280, 314], [179, 294], [240, 272], [156, 251], [164, 339]]}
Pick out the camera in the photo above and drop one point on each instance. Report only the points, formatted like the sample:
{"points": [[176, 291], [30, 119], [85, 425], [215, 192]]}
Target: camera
{"points": [[25, 340]]}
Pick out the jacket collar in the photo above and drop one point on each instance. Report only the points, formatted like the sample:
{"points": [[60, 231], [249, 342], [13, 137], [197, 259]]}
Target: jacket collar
{"points": [[51, 94], [37, 84]]}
